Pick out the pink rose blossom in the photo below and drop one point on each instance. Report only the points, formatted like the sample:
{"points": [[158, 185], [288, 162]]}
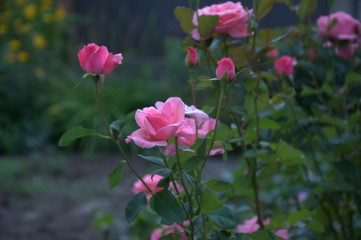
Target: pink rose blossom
{"points": [[160, 123], [198, 115], [285, 65], [151, 181], [341, 31], [251, 225], [282, 233], [167, 230], [233, 19], [192, 59], [188, 141], [273, 53], [98, 60], [225, 68]]}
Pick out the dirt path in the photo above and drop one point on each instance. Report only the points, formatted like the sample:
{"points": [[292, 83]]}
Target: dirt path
{"points": [[58, 197]]}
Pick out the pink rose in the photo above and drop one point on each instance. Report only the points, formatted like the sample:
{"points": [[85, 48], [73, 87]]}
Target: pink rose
{"points": [[340, 31], [225, 69], [198, 115], [167, 230], [249, 226], [188, 141], [160, 123], [285, 65], [233, 19], [151, 181], [282, 233], [192, 59], [97, 60], [273, 53], [339, 25]]}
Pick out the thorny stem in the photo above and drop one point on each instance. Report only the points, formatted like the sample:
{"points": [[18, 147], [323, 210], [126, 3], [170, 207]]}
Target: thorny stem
{"points": [[97, 84]]}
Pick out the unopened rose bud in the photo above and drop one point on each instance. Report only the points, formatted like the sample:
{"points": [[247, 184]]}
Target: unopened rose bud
{"points": [[192, 59], [225, 69]]}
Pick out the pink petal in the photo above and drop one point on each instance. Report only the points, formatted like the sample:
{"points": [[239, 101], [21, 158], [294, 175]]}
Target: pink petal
{"points": [[141, 139]]}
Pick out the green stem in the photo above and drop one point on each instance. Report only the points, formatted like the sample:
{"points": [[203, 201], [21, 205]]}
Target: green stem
{"points": [[172, 178], [97, 83], [193, 87], [189, 197], [216, 126]]}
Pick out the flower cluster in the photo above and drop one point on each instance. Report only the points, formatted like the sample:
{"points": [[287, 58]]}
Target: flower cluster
{"points": [[341, 32]]}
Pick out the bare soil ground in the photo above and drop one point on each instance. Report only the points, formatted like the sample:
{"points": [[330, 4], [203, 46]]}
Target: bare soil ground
{"points": [[56, 197]]}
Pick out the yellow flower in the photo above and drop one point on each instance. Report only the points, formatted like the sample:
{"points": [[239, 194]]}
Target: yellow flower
{"points": [[19, 2], [30, 11], [39, 41], [23, 56], [3, 29], [59, 14], [47, 18], [14, 44], [46, 4], [39, 72]]}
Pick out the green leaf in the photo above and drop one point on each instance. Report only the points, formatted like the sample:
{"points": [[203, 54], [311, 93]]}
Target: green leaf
{"points": [[206, 25], [267, 76], [294, 217], [223, 218], [263, 8], [167, 207], [162, 172], [315, 226], [306, 8], [210, 200], [289, 155], [307, 91], [287, 2], [116, 176], [77, 132], [185, 16], [117, 125], [134, 206], [353, 78], [152, 159]]}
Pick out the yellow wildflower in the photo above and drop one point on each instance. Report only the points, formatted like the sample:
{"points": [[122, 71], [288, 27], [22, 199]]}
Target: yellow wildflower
{"points": [[19, 2], [47, 17], [59, 14], [30, 11], [39, 41], [46, 4], [23, 56], [3, 29], [14, 44]]}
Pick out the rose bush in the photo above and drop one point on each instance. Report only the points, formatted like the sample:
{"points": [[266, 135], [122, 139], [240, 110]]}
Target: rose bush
{"points": [[296, 139]]}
